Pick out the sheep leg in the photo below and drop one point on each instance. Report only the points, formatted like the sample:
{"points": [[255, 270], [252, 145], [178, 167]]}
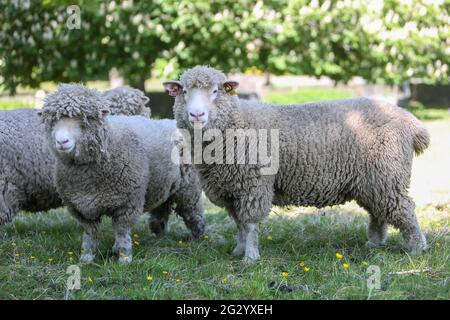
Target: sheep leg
{"points": [[404, 218], [192, 214], [9, 202], [159, 219], [376, 233], [241, 239], [90, 241], [122, 231], [251, 243]]}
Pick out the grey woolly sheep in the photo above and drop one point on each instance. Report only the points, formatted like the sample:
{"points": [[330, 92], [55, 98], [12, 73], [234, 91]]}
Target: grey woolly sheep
{"points": [[329, 152], [127, 101], [118, 166], [26, 165]]}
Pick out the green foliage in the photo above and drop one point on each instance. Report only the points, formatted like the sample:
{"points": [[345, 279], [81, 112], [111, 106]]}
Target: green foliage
{"points": [[388, 43]]}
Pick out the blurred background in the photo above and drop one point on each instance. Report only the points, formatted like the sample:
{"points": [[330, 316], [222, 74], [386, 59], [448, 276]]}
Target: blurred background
{"points": [[280, 51]]}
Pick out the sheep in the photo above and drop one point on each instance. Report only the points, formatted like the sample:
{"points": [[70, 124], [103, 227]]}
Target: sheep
{"points": [[118, 166], [26, 166], [329, 152], [127, 101]]}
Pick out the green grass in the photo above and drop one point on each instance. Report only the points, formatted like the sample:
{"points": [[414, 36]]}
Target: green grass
{"points": [[307, 95], [14, 103], [38, 248]]}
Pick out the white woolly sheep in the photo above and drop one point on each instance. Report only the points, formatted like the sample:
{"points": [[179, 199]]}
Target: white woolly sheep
{"points": [[26, 165], [117, 166], [330, 152]]}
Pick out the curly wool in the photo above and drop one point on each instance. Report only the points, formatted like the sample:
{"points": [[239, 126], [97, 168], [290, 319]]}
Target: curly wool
{"points": [[127, 101], [131, 173], [26, 163], [330, 152]]}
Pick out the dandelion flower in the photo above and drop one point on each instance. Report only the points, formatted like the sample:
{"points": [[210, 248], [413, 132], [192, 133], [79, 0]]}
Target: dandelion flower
{"points": [[365, 263], [165, 273], [301, 263], [224, 280], [269, 237], [306, 269], [149, 278], [345, 265], [206, 237], [339, 255], [17, 254], [90, 281], [178, 280], [285, 274]]}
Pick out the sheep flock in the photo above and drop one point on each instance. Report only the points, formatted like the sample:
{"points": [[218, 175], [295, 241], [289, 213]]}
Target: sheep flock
{"points": [[99, 154]]}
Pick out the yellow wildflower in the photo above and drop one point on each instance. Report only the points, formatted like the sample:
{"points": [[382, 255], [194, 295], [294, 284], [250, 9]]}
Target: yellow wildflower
{"points": [[206, 237], [136, 242], [90, 281], [149, 278], [365, 263], [301, 263], [345, 265], [180, 242], [224, 280], [165, 273], [50, 260], [306, 269], [70, 253], [269, 237], [285, 274], [339, 255], [178, 280]]}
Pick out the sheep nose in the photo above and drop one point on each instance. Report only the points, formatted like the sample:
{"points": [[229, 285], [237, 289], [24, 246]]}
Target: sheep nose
{"points": [[196, 115], [62, 142]]}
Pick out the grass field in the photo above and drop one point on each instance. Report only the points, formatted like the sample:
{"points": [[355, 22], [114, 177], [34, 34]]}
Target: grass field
{"points": [[298, 246]]}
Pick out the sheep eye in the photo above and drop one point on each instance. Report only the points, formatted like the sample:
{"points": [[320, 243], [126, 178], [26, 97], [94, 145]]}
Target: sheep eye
{"points": [[184, 91], [215, 91]]}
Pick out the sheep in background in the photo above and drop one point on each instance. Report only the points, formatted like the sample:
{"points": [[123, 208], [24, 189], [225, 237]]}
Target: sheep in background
{"points": [[26, 165], [127, 101], [330, 152], [118, 166]]}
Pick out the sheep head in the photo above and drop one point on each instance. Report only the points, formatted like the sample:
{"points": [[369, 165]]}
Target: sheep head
{"points": [[127, 101], [74, 117], [201, 93]]}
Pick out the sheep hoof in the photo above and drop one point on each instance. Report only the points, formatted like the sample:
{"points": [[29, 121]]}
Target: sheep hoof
{"points": [[417, 247], [123, 259], [373, 245], [87, 258], [238, 251], [251, 256]]}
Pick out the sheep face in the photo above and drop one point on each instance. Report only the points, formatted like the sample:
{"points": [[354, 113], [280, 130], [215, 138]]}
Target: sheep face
{"points": [[200, 103], [72, 139], [65, 133]]}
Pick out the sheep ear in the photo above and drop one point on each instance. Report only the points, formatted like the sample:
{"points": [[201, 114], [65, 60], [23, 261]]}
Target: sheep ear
{"points": [[104, 112], [145, 100], [230, 86], [173, 88]]}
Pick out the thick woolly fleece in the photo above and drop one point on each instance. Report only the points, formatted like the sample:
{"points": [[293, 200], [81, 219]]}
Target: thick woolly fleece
{"points": [[121, 167], [27, 165], [127, 101], [330, 152]]}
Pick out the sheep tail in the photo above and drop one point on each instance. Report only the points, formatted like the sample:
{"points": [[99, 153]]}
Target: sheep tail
{"points": [[421, 137]]}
